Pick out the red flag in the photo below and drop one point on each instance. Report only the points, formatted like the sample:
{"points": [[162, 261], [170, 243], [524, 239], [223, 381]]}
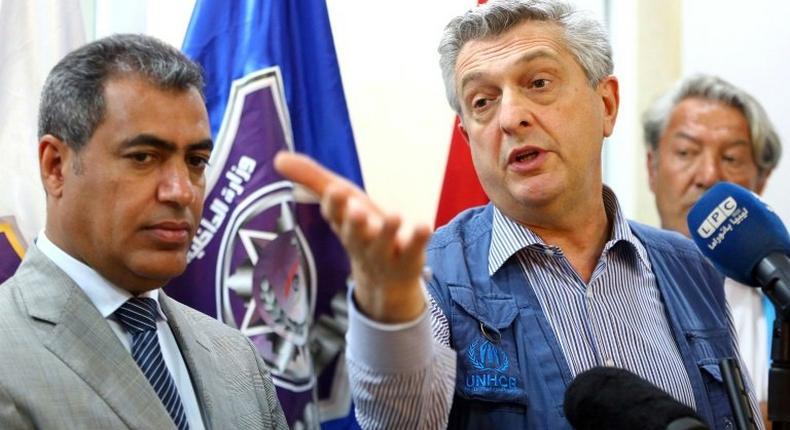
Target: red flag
{"points": [[461, 189]]}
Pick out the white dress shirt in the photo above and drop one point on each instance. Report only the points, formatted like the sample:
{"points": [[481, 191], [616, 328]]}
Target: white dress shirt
{"points": [[749, 319], [108, 298]]}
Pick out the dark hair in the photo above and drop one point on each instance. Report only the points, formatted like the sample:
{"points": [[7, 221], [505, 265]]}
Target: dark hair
{"points": [[72, 100]]}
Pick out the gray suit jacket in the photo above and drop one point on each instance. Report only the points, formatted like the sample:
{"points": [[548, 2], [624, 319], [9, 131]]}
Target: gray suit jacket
{"points": [[62, 367]]}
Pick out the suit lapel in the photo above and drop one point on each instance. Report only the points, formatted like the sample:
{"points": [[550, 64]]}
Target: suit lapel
{"points": [[84, 341], [196, 350]]}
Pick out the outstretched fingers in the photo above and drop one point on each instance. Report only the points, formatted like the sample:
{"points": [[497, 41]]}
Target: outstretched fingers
{"points": [[413, 249], [303, 170], [386, 256], [359, 227]]}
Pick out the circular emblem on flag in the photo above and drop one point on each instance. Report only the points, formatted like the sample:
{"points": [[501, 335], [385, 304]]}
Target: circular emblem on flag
{"points": [[266, 283]]}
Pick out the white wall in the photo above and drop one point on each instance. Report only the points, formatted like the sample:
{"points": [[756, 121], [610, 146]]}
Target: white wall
{"points": [[646, 44], [167, 20], [401, 120], [749, 45]]}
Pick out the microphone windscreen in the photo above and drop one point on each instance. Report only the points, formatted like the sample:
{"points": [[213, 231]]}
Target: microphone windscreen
{"points": [[609, 398], [735, 230]]}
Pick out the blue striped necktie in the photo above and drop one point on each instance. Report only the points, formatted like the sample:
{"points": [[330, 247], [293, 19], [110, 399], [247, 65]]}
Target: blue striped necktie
{"points": [[138, 317]]}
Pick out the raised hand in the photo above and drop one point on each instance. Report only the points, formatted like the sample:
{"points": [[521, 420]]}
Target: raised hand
{"points": [[387, 257]]}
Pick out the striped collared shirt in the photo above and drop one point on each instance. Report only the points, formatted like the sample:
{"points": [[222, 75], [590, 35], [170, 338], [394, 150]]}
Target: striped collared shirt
{"points": [[616, 319]]}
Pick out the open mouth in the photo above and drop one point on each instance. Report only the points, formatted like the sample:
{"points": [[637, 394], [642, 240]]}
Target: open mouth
{"points": [[526, 156]]}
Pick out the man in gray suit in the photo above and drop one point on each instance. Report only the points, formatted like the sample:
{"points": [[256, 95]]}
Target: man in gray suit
{"points": [[87, 338]]}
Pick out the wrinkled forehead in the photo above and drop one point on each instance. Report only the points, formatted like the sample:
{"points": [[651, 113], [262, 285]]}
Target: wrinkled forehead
{"points": [[526, 42], [708, 114]]}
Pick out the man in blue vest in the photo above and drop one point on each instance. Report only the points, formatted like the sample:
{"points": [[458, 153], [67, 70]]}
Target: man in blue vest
{"points": [[545, 282]]}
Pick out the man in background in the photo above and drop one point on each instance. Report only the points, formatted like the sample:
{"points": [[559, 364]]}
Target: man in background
{"points": [[703, 131], [88, 338]]}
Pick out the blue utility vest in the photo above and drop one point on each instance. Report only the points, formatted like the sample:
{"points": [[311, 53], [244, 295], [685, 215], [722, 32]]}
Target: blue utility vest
{"points": [[511, 372]]}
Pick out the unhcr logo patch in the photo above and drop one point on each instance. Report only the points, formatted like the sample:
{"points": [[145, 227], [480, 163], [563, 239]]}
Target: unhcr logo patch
{"points": [[492, 363]]}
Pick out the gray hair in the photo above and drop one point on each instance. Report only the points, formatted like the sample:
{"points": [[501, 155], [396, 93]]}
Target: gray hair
{"points": [[72, 100], [766, 146], [586, 38]]}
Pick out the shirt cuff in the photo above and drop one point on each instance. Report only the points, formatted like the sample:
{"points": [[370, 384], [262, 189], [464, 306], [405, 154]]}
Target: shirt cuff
{"points": [[388, 348]]}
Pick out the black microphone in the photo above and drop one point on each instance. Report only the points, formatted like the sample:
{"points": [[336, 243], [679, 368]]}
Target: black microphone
{"points": [[612, 398]]}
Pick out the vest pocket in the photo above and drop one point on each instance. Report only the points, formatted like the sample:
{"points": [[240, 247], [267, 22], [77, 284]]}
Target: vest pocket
{"points": [[483, 330], [720, 403], [709, 347], [478, 414]]}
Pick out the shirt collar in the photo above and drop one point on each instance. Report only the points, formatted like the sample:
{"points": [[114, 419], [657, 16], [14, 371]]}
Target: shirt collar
{"points": [[508, 236], [106, 296]]}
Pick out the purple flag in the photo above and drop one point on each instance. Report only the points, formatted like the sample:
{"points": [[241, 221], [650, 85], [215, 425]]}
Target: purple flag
{"points": [[264, 261]]}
